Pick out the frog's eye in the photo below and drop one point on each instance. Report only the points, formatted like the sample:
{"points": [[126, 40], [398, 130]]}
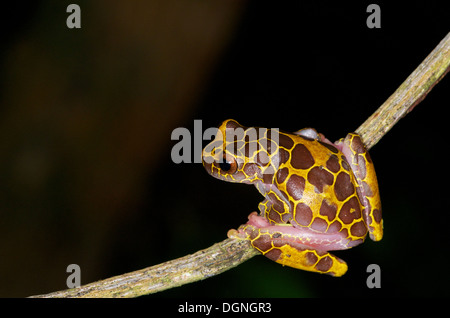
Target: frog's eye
{"points": [[228, 165]]}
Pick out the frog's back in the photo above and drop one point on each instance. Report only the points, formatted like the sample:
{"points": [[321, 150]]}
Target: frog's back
{"points": [[318, 184]]}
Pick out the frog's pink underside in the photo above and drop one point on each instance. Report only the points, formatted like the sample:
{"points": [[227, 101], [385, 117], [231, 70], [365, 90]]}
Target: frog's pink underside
{"points": [[302, 236]]}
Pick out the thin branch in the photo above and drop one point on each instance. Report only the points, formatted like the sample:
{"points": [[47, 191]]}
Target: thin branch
{"points": [[190, 268], [412, 91], [232, 252]]}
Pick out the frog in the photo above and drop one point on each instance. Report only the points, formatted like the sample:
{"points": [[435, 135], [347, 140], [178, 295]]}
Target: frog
{"points": [[319, 196]]}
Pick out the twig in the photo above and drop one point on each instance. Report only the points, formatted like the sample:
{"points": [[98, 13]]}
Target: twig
{"points": [[413, 90], [232, 252], [190, 268]]}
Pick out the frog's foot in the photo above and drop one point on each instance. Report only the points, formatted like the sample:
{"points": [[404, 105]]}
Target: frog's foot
{"points": [[254, 222]]}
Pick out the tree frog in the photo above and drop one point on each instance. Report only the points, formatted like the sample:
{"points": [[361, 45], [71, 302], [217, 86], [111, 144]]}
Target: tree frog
{"points": [[319, 196]]}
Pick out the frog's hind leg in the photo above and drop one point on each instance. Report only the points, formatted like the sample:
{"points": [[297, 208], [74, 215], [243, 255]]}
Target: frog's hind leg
{"points": [[360, 161], [300, 257], [286, 249]]}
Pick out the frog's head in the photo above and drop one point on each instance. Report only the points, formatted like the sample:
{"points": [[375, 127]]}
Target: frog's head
{"points": [[242, 154]]}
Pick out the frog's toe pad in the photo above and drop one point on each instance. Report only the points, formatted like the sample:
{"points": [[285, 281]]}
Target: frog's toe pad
{"points": [[245, 230], [238, 234], [257, 221]]}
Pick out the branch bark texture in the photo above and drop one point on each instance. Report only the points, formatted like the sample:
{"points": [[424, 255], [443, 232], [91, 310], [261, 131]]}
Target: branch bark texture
{"points": [[190, 268], [232, 252], [412, 91]]}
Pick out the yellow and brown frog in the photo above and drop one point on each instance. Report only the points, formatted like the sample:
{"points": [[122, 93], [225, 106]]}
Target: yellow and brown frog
{"points": [[319, 196]]}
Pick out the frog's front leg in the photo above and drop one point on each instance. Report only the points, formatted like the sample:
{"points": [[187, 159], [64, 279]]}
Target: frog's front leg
{"points": [[280, 244], [274, 209]]}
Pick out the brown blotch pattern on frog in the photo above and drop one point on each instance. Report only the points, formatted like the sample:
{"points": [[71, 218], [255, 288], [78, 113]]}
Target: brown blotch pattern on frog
{"points": [[319, 196]]}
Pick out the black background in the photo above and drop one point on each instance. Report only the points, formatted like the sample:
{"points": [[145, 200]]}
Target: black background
{"points": [[287, 65]]}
